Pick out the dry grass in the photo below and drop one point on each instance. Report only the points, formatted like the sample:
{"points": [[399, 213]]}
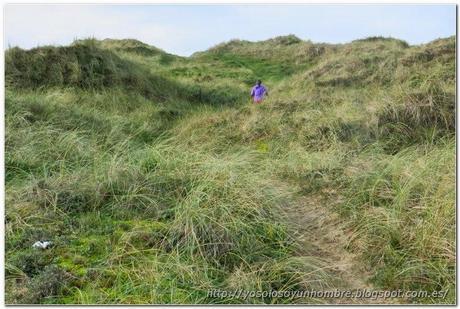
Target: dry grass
{"points": [[157, 181]]}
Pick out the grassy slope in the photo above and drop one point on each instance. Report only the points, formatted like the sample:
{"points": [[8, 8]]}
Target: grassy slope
{"points": [[157, 182]]}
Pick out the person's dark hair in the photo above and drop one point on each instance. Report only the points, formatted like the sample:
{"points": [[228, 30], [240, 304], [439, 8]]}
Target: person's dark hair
{"points": [[259, 82]]}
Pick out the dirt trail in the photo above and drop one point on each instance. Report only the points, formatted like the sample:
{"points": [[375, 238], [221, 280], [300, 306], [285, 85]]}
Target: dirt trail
{"points": [[322, 235]]}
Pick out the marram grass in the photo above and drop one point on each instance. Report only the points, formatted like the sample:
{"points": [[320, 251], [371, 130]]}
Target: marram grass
{"points": [[158, 182]]}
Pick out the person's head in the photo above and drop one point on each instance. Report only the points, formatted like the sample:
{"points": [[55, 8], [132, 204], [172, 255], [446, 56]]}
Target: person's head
{"points": [[258, 82]]}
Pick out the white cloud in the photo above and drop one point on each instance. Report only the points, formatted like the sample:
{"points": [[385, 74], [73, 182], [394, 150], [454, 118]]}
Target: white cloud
{"points": [[32, 25], [185, 29]]}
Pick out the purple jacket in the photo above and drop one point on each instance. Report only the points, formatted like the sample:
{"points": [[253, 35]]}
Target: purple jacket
{"points": [[258, 92]]}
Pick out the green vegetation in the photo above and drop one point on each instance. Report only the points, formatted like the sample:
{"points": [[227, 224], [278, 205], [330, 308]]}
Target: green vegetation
{"points": [[156, 181]]}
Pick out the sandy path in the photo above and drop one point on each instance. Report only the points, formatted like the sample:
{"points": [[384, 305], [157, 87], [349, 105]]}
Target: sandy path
{"points": [[322, 234]]}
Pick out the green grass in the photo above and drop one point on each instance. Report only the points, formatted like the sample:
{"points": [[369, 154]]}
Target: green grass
{"points": [[157, 181]]}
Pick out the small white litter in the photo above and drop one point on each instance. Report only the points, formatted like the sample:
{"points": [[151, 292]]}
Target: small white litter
{"points": [[42, 244]]}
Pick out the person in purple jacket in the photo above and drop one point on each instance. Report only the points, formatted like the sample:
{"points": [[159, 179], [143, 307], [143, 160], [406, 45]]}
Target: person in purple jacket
{"points": [[258, 92]]}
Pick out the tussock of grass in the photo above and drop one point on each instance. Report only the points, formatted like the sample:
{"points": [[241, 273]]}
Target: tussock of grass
{"points": [[402, 206]]}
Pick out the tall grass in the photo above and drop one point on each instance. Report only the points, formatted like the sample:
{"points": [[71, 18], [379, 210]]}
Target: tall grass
{"points": [[402, 206], [157, 182]]}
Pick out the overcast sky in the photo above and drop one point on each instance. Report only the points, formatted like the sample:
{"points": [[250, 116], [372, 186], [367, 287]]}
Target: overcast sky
{"points": [[184, 29]]}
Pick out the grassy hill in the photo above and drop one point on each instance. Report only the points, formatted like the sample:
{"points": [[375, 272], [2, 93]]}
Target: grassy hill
{"points": [[157, 181]]}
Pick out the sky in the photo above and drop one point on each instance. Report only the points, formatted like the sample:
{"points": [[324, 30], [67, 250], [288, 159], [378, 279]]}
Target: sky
{"points": [[185, 29]]}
